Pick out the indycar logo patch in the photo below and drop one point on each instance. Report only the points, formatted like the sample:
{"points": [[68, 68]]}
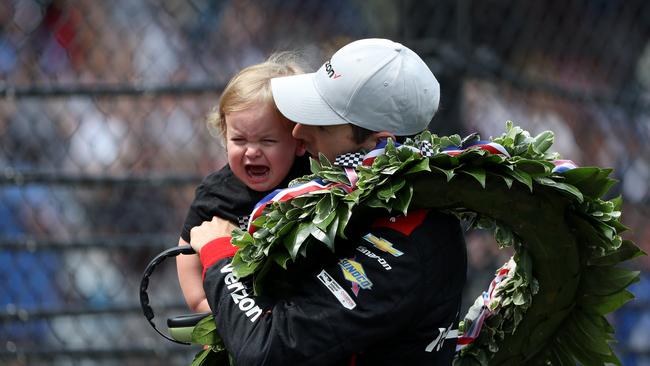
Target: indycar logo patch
{"points": [[336, 290]]}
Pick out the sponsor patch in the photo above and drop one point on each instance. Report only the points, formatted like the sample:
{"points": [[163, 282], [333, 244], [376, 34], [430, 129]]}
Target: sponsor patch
{"points": [[370, 254], [336, 290], [239, 295], [383, 245], [353, 271], [443, 334], [330, 71]]}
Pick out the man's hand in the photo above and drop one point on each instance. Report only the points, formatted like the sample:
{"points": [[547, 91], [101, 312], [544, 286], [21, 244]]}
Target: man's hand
{"points": [[209, 230]]}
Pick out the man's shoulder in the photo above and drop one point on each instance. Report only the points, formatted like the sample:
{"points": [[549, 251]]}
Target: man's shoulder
{"points": [[404, 224], [415, 219], [430, 231]]}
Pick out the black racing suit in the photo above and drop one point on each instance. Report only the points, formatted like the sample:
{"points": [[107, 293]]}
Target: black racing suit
{"points": [[388, 298]]}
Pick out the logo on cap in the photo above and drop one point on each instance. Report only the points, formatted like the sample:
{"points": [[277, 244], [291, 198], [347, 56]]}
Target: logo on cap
{"points": [[330, 71]]}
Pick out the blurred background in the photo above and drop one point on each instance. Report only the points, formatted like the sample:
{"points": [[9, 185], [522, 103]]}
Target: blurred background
{"points": [[103, 137]]}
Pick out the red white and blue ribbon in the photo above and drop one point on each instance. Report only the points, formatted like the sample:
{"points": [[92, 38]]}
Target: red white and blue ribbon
{"points": [[380, 149], [286, 194], [562, 166], [486, 304], [491, 147], [349, 161]]}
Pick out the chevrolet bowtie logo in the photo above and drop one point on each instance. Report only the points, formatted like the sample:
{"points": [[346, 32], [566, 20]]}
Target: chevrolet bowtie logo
{"points": [[383, 245]]}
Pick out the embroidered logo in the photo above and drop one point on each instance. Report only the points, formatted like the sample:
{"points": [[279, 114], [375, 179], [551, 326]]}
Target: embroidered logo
{"points": [[370, 254], [240, 295], [353, 271], [383, 245], [443, 334], [330, 71], [336, 290]]}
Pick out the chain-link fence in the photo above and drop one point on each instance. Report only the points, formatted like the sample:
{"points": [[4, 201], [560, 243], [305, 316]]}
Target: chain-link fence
{"points": [[103, 138]]}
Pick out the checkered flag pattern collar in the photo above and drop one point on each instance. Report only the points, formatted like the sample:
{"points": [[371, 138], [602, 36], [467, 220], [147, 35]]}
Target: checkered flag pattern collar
{"points": [[426, 149], [354, 159], [242, 222], [349, 160]]}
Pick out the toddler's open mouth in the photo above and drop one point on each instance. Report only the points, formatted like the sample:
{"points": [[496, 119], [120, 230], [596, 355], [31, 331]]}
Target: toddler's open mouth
{"points": [[257, 171]]}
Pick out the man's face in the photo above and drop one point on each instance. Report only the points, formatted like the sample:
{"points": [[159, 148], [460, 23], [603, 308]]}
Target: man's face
{"points": [[330, 141], [260, 148]]}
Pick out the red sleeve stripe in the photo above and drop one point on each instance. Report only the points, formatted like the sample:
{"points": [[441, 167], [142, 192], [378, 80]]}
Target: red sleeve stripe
{"points": [[216, 250]]}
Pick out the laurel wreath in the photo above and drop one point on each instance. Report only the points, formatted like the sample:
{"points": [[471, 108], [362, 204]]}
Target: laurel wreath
{"points": [[565, 235]]}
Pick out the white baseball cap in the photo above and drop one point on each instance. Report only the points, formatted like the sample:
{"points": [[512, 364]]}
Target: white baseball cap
{"points": [[376, 84]]}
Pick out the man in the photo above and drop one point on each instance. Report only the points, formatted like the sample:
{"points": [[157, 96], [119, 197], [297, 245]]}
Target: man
{"points": [[390, 294]]}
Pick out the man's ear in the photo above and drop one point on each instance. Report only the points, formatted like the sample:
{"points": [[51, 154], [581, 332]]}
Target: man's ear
{"points": [[374, 139], [300, 148]]}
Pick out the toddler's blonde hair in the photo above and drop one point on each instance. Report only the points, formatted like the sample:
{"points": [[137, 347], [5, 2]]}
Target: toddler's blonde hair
{"points": [[252, 85]]}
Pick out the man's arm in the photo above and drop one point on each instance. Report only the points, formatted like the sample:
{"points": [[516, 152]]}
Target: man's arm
{"points": [[335, 310]]}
